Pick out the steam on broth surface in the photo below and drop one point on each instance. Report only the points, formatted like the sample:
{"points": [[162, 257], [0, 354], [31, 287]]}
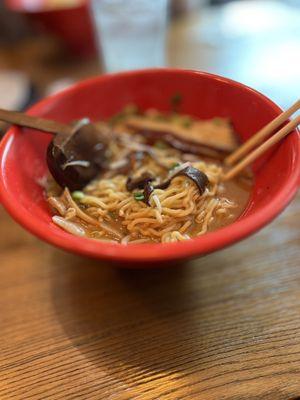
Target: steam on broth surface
{"points": [[162, 183]]}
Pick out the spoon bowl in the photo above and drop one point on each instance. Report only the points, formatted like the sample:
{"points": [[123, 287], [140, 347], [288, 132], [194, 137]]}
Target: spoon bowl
{"points": [[76, 153]]}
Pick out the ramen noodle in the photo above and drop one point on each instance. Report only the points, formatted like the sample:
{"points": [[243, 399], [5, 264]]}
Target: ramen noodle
{"points": [[156, 188]]}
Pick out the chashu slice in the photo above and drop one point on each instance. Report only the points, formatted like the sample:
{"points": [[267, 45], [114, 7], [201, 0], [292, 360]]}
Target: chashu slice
{"points": [[215, 135]]}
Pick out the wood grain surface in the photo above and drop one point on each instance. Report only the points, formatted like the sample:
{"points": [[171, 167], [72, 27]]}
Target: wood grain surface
{"points": [[226, 326]]}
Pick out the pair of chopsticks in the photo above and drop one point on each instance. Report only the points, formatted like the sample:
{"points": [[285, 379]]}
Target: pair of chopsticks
{"points": [[236, 160]]}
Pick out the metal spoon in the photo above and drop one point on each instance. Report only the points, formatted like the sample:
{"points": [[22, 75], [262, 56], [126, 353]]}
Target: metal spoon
{"points": [[75, 155]]}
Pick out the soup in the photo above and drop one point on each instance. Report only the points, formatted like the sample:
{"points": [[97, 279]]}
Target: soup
{"points": [[163, 182]]}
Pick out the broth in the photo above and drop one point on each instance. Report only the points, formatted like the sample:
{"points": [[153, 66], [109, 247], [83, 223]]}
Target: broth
{"points": [[154, 190]]}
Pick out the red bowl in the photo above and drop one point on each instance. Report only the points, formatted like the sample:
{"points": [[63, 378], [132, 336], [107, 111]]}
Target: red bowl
{"points": [[22, 156], [71, 24]]}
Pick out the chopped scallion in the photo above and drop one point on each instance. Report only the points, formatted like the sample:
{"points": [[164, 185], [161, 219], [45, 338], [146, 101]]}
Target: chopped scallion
{"points": [[176, 101], [186, 121], [77, 195], [112, 214], [159, 144], [175, 165], [217, 121], [115, 119], [139, 196]]}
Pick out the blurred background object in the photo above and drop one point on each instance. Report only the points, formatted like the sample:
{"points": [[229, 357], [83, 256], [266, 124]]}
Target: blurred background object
{"points": [[52, 44], [12, 26], [130, 34], [15, 92], [67, 19], [256, 42], [182, 7]]}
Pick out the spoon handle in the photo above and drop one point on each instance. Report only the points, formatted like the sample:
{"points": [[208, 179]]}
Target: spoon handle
{"points": [[22, 119]]}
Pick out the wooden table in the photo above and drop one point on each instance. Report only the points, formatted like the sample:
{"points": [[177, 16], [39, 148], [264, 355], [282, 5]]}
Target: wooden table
{"points": [[226, 326], [223, 327]]}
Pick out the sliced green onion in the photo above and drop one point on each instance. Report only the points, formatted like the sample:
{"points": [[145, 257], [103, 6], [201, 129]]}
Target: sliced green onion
{"points": [[112, 214], [176, 100], [116, 118], [139, 196], [217, 121], [160, 117], [175, 165], [159, 144], [77, 195], [186, 121], [175, 117], [130, 109]]}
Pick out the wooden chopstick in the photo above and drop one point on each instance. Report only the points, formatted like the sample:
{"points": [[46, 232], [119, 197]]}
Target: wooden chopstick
{"points": [[42, 124], [261, 134], [262, 148]]}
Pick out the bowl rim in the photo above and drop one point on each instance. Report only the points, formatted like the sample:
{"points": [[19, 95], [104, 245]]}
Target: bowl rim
{"points": [[152, 252]]}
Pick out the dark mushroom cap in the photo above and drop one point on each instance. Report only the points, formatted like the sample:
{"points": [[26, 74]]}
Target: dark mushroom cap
{"points": [[75, 159]]}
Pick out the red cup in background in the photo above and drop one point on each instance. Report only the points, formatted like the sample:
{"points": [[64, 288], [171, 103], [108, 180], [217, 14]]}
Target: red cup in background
{"points": [[72, 24]]}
